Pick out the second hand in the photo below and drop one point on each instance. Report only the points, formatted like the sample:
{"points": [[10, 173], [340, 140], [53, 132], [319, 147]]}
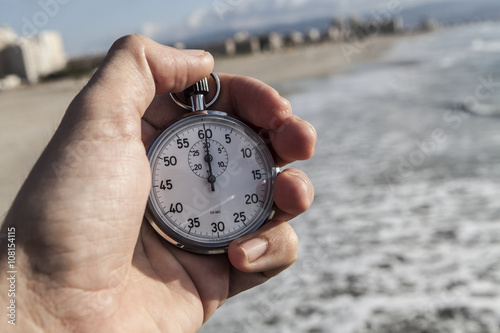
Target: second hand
{"points": [[208, 158]]}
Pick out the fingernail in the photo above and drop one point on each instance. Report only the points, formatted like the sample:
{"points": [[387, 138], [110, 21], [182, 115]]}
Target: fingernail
{"points": [[254, 248], [193, 52]]}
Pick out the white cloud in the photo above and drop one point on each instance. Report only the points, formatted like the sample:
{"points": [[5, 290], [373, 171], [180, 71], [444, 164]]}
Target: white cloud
{"points": [[250, 14], [220, 15]]}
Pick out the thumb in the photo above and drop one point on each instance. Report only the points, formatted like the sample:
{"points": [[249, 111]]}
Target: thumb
{"points": [[136, 68], [84, 200]]}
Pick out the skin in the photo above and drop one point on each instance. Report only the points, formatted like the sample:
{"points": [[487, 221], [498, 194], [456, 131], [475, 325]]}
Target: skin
{"points": [[86, 260]]}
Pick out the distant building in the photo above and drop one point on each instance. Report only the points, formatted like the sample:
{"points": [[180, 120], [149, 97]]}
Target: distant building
{"points": [[356, 27], [272, 42], [337, 23], [229, 47], [334, 34], [241, 43], [31, 57], [313, 36], [222, 48], [246, 44], [335, 31], [394, 26], [359, 29], [294, 38], [428, 24]]}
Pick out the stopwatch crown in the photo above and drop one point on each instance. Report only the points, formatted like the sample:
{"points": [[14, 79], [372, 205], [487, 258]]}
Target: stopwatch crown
{"points": [[199, 88], [196, 94]]}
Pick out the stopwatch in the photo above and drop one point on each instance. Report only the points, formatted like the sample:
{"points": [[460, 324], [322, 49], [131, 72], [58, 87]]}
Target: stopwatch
{"points": [[212, 177]]}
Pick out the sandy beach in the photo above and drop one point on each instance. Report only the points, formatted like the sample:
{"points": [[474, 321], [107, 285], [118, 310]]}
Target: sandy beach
{"points": [[30, 115], [306, 62]]}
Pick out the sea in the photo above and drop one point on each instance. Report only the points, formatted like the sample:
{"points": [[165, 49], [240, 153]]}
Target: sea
{"points": [[404, 232]]}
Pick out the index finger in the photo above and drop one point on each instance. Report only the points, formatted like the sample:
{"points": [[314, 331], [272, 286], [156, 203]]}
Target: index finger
{"points": [[253, 101], [249, 99], [257, 104]]}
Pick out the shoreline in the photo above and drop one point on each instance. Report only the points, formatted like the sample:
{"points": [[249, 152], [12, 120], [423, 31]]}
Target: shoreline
{"points": [[309, 61]]}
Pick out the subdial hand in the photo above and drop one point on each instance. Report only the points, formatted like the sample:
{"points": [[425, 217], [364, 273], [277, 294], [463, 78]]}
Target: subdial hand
{"points": [[208, 158]]}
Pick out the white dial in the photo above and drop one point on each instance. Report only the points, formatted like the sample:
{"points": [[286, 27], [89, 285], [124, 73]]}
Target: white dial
{"points": [[212, 179]]}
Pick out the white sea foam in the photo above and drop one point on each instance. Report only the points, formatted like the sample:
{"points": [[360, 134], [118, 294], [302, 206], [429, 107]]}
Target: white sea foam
{"points": [[480, 45]]}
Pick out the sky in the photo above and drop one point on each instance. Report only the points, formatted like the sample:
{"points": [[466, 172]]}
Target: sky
{"points": [[91, 26]]}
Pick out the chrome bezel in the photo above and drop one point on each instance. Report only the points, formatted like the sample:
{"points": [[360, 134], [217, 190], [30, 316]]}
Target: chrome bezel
{"points": [[166, 228]]}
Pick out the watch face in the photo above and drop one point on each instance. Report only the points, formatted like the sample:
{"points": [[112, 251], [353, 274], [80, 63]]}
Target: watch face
{"points": [[212, 180]]}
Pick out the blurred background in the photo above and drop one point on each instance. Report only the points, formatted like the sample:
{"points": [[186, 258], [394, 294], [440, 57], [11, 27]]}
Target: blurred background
{"points": [[404, 233]]}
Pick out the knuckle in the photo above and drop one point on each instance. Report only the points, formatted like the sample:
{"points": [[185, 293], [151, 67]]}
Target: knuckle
{"points": [[284, 251], [293, 240], [286, 240], [133, 43]]}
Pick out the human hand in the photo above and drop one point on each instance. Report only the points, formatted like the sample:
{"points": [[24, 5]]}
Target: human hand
{"points": [[87, 261]]}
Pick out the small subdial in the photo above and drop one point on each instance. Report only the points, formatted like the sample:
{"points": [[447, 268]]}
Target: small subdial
{"points": [[199, 159]]}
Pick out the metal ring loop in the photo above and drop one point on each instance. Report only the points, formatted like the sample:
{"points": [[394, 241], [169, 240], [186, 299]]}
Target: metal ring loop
{"points": [[209, 104]]}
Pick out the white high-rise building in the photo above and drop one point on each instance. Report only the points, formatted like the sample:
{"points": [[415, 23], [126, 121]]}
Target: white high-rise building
{"points": [[31, 57]]}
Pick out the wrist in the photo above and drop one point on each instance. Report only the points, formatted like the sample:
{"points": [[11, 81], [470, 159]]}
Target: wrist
{"points": [[19, 294]]}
